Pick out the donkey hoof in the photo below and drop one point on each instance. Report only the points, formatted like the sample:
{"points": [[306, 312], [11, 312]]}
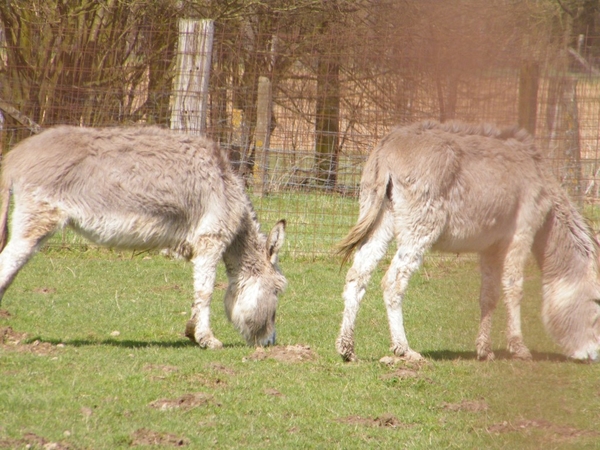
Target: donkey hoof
{"points": [[210, 342], [345, 347], [206, 341], [485, 353], [412, 356], [523, 355], [406, 354], [488, 356], [190, 330], [519, 350]]}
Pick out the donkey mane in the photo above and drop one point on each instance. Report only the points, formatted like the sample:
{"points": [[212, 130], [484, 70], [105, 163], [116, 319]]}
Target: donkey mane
{"points": [[484, 129]]}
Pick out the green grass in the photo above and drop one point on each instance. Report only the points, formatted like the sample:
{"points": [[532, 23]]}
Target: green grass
{"points": [[76, 383], [315, 222]]}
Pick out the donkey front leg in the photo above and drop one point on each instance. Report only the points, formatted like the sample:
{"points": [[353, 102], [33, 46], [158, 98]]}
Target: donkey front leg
{"points": [[205, 268], [491, 275], [32, 224], [512, 283], [365, 261], [406, 261]]}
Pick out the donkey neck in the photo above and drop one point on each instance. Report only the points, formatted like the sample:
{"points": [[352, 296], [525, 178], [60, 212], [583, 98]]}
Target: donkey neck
{"points": [[565, 248], [244, 256]]}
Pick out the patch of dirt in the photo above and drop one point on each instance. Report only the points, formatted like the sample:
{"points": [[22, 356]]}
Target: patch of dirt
{"points": [[144, 436], [161, 369], [187, 401], [288, 353], [33, 441], [392, 361], [221, 368], [4, 314], [560, 431], [467, 405], [13, 340], [385, 421], [211, 379], [208, 382], [273, 392], [44, 290]]}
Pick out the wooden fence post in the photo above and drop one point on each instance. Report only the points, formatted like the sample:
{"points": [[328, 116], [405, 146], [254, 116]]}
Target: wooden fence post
{"points": [[262, 136], [190, 85]]}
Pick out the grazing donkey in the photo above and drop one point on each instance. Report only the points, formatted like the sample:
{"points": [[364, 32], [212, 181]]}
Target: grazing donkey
{"points": [[459, 188], [146, 188]]}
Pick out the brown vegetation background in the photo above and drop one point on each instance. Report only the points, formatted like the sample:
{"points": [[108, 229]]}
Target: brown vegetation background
{"points": [[336, 76]]}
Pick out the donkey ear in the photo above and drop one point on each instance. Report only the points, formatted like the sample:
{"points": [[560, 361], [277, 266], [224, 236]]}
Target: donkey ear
{"points": [[275, 240]]}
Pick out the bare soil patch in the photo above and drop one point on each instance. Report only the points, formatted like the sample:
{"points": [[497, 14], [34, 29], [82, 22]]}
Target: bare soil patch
{"points": [[44, 290], [399, 361], [33, 441], [15, 341], [467, 405], [4, 314], [144, 436], [214, 378], [273, 392], [288, 353], [187, 401], [560, 432], [384, 421], [160, 371], [218, 367]]}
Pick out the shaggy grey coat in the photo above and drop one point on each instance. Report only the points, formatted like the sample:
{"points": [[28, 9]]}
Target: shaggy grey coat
{"points": [[457, 188], [146, 188]]}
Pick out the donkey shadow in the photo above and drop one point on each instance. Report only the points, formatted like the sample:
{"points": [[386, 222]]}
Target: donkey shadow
{"points": [[125, 343], [501, 355]]}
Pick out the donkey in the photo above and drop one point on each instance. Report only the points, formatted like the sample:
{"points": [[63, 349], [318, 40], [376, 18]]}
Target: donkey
{"points": [[456, 187], [146, 188]]}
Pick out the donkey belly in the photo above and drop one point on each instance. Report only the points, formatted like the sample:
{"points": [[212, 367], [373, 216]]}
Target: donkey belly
{"points": [[457, 244], [129, 231], [473, 239]]}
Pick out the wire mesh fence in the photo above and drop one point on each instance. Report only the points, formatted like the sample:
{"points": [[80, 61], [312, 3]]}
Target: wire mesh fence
{"points": [[300, 92]]}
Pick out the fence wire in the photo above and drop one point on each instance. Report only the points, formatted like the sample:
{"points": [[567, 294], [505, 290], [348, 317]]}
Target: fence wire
{"points": [[299, 94]]}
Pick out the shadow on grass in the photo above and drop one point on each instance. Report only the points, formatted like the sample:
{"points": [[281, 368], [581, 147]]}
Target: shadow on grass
{"points": [[125, 343], [501, 355]]}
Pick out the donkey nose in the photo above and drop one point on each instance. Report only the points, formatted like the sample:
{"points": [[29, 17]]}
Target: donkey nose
{"points": [[270, 340]]}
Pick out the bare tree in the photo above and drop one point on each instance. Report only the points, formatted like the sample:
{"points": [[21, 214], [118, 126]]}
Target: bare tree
{"points": [[88, 62]]}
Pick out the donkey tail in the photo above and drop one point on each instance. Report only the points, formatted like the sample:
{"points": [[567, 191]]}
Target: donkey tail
{"points": [[374, 186], [5, 197]]}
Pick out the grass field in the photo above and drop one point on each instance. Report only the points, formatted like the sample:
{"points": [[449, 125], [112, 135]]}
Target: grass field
{"points": [[92, 356]]}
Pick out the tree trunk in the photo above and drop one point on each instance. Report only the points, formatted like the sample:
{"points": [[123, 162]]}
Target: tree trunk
{"points": [[327, 120], [528, 91]]}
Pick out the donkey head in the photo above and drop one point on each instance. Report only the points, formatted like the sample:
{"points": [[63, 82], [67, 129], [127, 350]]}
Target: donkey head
{"points": [[581, 333], [251, 300]]}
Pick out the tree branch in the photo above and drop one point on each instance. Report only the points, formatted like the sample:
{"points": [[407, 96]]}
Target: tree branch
{"points": [[20, 117]]}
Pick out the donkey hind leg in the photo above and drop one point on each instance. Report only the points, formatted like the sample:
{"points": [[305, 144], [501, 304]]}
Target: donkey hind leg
{"points": [[413, 242], [365, 261], [512, 283], [491, 276], [30, 229], [405, 262], [206, 258]]}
